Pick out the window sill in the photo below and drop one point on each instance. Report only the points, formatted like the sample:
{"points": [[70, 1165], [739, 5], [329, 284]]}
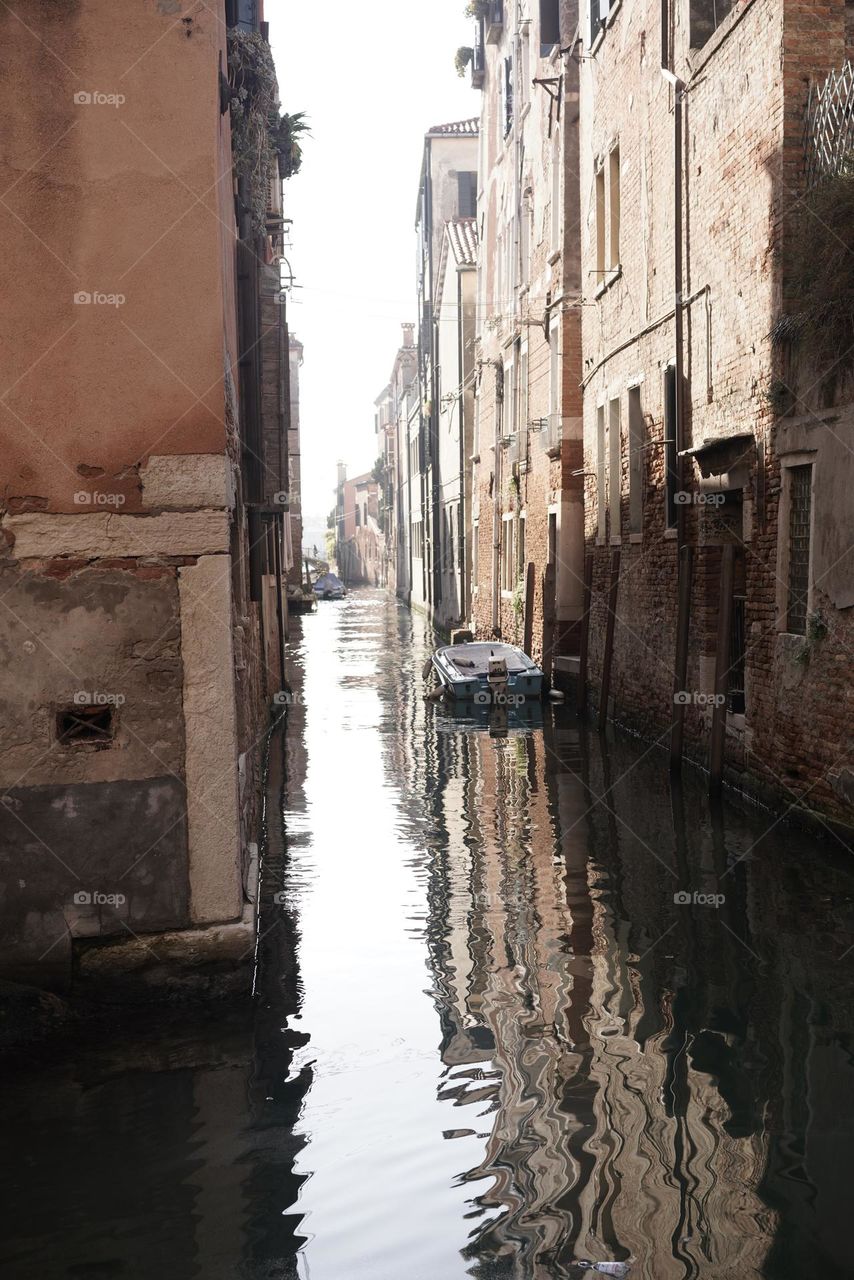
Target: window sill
{"points": [[635, 539], [611, 275], [671, 534], [616, 540]]}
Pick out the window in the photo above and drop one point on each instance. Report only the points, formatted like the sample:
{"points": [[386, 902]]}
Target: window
{"points": [[554, 380], [508, 95], [615, 470], [474, 554], [552, 537], [520, 540], [671, 460], [556, 212], [608, 216], [358, 516], [450, 540], [636, 461], [418, 539], [600, 225], [508, 562], [467, 194], [705, 18], [798, 578], [522, 397], [598, 17], [549, 26], [86, 725], [600, 473], [510, 398], [614, 209], [525, 241]]}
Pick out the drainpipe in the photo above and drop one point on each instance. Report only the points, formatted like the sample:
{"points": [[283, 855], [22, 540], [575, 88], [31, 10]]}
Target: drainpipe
{"points": [[461, 507], [496, 491], [683, 617]]}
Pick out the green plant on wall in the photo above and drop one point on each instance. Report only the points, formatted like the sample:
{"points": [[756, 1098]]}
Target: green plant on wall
{"points": [[476, 9], [518, 607], [265, 144], [462, 58]]}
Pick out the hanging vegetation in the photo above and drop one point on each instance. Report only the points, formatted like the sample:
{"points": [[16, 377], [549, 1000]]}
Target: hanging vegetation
{"points": [[265, 144], [819, 276], [462, 58]]}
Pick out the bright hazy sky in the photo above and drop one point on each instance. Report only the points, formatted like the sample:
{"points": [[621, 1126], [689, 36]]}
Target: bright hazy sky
{"points": [[372, 78]]}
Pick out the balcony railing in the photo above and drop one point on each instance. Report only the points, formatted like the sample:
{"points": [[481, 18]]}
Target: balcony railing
{"points": [[478, 61]]}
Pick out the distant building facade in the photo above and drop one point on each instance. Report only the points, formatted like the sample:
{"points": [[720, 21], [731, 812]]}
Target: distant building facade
{"points": [[360, 552], [527, 515]]}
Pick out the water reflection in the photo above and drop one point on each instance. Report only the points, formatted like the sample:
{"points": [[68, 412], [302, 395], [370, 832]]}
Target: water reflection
{"points": [[489, 1037]]}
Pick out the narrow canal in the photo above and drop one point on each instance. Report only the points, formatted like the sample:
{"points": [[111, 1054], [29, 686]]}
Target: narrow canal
{"points": [[519, 1004]]}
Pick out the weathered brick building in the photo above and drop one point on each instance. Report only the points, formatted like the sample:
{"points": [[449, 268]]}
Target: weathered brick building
{"points": [[527, 495], [717, 441], [143, 463]]}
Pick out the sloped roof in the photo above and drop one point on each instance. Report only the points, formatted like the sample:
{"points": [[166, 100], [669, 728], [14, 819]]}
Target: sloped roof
{"points": [[459, 241], [457, 128], [462, 235]]}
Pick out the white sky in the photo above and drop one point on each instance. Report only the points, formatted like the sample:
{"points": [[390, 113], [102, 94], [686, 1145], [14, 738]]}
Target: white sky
{"points": [[372, 79]]}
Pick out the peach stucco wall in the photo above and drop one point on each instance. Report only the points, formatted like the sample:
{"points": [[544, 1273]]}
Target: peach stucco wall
{"points": [[132, 198]]}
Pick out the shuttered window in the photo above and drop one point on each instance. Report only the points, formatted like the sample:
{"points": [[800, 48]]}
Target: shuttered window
{"points": [[549, 25], [800, 515]]}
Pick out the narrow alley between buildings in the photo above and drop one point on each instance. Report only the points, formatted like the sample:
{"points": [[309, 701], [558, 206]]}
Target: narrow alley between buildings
{"points": [[564, 1012]]}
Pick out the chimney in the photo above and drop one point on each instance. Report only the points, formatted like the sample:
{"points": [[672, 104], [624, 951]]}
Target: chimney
{"points": [[408, 335]]}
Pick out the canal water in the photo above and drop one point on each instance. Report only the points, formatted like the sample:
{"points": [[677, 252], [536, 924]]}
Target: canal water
{"points": [[519, 1004]]}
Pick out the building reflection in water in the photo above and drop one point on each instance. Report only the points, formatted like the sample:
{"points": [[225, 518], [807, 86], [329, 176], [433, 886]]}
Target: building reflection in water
{"points": [[652, 1079]]}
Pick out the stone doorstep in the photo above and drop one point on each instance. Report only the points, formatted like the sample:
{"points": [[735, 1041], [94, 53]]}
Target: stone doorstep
{"points": [[221, 954]]}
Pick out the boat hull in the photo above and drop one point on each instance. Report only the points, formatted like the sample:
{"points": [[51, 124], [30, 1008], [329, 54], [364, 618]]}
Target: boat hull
{"points": [[463, 673]]}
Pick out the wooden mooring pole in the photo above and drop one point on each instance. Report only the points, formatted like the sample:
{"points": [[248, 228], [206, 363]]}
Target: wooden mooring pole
{"points": [[680, 666], [609, 639], [722, 666], [581, 698]]}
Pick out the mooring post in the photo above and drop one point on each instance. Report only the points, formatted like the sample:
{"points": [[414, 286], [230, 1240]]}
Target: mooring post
{"points": [[722, 665], [581, 697], [680, 666], [528, 633], [609, 639]]}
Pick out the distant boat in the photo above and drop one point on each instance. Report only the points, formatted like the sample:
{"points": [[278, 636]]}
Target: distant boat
{"points": [[329, 587], [301, 599], [487, 672]]}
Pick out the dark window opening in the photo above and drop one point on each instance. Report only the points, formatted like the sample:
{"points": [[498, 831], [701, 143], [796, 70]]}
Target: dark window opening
{"points": [[800, 511], [552, 537], [508, 95], [671, 460], [549, 25], [85, 726], [705, 18], [467, 194]]}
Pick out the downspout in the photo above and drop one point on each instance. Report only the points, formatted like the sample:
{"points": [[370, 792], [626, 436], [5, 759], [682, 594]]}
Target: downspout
{"points": [[496, 491], [683, 616], [462, 553]]}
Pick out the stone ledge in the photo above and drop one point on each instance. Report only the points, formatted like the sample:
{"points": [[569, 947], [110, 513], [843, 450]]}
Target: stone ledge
{"points": [[97, 535], [190, 481]]}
